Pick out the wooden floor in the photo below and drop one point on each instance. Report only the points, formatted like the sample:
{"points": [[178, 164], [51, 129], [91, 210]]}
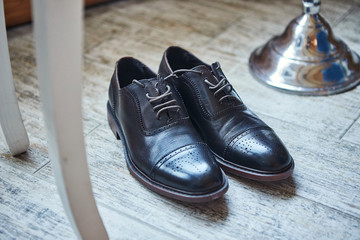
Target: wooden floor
{"points": [[320, 201]]}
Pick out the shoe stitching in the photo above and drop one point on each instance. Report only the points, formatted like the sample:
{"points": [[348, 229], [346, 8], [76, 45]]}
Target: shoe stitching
{"points": [[163, 128], [182, 100]]}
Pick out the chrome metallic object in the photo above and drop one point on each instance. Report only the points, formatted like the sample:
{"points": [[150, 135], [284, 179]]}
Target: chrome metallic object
{"points": [[307, 59]]}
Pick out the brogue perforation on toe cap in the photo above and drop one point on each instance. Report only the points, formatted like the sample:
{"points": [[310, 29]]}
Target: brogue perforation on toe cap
{"points": [[185, 167], [260, 150]]}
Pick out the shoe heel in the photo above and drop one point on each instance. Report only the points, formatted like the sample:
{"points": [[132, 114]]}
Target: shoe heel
{"points": [[112, 125]]}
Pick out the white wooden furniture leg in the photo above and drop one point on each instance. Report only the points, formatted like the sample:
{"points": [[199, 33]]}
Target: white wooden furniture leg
{"points": [[58, 40], [10, 117]]}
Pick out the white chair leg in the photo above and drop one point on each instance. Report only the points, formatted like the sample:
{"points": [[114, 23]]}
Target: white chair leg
{"points": [[10, 117], [58, 40]]}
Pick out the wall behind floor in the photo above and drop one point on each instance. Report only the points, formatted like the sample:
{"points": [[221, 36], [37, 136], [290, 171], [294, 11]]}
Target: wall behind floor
{"points": [[19, 11]]}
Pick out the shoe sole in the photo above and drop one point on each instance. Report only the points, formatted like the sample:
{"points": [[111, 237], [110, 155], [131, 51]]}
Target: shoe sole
{"points": [[156, 186], [251, 174]]}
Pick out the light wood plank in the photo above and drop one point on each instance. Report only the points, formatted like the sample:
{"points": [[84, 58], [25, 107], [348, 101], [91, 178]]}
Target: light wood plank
{"points": [[278, 209], [322, 163], [30, 161], [155, 25], [349, 29], [30, 208]]}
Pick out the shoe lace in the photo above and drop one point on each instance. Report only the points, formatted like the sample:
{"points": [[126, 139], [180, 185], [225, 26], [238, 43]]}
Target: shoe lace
{"points": [[223, 85], [158, 101], [161, 106]]}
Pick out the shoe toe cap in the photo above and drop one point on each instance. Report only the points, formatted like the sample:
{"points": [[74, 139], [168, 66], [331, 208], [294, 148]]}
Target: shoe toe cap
{"points": [[191, 169], [259, 149]]}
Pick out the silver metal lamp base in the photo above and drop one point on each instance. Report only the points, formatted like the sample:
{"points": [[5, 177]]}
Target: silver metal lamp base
{"points": [[307, 59]]}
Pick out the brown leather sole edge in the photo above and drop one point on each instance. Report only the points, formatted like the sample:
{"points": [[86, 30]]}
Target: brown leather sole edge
{"points": [[155, 186], [246, 173]]}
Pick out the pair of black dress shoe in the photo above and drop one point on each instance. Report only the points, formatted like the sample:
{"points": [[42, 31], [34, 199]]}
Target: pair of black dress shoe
{"points": [[181, 127]]}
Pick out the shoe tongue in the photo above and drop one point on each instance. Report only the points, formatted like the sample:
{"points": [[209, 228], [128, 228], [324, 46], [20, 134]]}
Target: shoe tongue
{"points": [[161, 84], [207, 70], [150, 86], [216, 70], [218, 73], [154, 86]]}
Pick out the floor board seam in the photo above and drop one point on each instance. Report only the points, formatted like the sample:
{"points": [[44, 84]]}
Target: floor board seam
{"points": [[349, 127], [332, 208], [45, 164], [342, 17], [349, 142], [136, 219], [41, 167], [92, 130]]}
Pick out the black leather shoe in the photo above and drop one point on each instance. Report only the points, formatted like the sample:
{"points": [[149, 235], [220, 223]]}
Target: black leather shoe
{"points": [[162, 148], [242, 143]]}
